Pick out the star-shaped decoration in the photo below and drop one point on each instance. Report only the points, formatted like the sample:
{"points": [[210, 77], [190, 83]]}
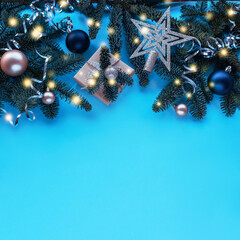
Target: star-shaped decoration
{"points": [[159, 38]]}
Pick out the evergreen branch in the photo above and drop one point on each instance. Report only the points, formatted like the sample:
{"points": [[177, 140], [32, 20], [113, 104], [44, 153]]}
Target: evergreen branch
{"points": [[167, 97], [228, 104], [50, 111], [115, 30], [198, 104], [138, 62], [67, 93]]}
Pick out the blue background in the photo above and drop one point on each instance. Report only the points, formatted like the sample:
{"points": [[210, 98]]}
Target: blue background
{"points": [[120, 172]]}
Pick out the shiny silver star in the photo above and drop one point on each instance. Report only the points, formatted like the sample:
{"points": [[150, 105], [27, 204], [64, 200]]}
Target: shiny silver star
{"points": [[159, 37]]}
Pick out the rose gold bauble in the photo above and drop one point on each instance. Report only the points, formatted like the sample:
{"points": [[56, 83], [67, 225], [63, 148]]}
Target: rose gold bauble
{"points": [[48, 98], [14, 63], [181, 110]]}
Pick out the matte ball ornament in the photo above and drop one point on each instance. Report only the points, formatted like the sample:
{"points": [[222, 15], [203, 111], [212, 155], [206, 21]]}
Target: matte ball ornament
{"points": [[48, 98], [14, 63], [220, 82], [111, 72], [77, 41], [181, 110]]}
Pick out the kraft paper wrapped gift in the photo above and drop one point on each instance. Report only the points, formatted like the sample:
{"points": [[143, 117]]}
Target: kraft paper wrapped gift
{"points": [[92, 65]]}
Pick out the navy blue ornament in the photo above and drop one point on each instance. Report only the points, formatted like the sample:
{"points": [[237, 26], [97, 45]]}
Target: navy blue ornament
{"points": [[220, 82], [77, 41]]}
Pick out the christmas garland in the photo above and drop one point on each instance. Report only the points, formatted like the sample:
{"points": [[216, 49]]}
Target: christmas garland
{"points": [[204, 43]]}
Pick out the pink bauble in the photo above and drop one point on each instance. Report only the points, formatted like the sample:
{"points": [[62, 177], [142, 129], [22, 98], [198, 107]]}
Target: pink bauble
{"points": [[14, 63], [181, 110], [48, 98]]}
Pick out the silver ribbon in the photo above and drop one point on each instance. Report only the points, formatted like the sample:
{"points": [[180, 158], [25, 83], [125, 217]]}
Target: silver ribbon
{"points": [[187, 79], [50, 9], [15, 43], [213, 47]]}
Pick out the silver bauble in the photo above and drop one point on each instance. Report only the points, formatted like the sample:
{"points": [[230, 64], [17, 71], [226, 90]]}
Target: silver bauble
{"points": [[111, 72]]}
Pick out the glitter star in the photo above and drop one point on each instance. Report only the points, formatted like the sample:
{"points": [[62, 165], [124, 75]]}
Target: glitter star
{"points": [[159, 37]]}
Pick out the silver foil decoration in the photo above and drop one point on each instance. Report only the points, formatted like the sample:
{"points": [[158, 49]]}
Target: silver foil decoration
{"points": [[158, 37]]}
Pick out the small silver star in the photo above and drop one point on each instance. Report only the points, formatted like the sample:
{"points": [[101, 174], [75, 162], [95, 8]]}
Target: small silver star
{"points": [[159, 37]]}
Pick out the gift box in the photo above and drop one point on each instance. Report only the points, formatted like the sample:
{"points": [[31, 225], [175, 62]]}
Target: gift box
{"points": [[93, 65]]}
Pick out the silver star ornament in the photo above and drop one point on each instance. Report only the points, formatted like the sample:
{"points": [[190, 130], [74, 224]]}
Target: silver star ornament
{"points": [[158, 40]]}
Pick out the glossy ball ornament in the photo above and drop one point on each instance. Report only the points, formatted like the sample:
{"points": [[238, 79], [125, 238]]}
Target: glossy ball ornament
{"points": [[181, 110], [14, 63], [111, 72], [77, 41], [48, 98], [220, 82]]}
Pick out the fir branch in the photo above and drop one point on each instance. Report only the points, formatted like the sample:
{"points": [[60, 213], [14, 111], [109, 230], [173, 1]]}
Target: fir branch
{"points": [[167, 97], [82, 5], [115, 30], [97, 15], [228, 104], [124, 79], [66, 93], [198, 104], [105, 58], [50, 111], [138, 62]]}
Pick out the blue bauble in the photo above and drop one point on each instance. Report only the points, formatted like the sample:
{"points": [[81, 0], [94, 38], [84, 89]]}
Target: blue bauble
{"points": [[77, 41], [220, 82]]}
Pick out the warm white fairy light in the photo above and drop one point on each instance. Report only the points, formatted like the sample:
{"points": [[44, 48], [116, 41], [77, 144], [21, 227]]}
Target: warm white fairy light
{"points": [[128, 70], [51, 85], [194, 68], [211, 85], [112, 82], [209, 16], [117, 55], [223, 52], [230, 12], [76, 100], [159, 104], [111, 30], [92, 82], [183, 29], [136, 40], [27, 82], [37, 32], [8, 117], [90, 22], [144, 30], [177, 82], [13, 22], [63, 3], [96, 74], [65, 57], [103, 44], [143, 16], [97, 24], [189, 95]]}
